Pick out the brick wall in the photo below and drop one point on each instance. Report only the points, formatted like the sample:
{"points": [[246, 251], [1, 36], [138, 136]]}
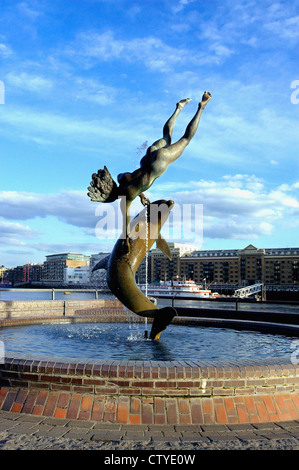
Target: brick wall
{"points": [[140, 392]]}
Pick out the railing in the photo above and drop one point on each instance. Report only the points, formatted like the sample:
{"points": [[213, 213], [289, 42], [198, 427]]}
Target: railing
{"points": [[53, 291], [249, 290]]}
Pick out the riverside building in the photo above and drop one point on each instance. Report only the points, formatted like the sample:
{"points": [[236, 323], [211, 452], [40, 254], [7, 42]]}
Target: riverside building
{"points": [[54, 266], [271, 266]]}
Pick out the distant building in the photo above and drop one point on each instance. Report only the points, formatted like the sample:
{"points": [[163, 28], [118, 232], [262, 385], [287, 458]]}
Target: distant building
{"points": [[25, 274], [271, 266], [207, 266], [160, 268], [3, 269], [78, 275], [4, 282], [243, 267], [55, 265]]}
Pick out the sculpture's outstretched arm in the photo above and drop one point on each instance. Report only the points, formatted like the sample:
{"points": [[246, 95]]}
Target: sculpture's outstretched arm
{"points": [[103, 188]]}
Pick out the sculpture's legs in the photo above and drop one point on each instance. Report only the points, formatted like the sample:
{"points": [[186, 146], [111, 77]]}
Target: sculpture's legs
{"points": [[169, 126], [174, 151]]}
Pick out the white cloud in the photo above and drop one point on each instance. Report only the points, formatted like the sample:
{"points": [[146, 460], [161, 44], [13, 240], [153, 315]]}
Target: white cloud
{"points": [[28, 11], [287, 28], [92, 48], [30, 82], [177, 7], [40, 125], [5, 51], [15, 233], [94, 91], [71, 207], [240, 206], [237, 207]]}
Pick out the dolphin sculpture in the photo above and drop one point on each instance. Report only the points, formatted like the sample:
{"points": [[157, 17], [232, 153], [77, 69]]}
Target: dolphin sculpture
{"points": [[140, 235], [122, 264]]}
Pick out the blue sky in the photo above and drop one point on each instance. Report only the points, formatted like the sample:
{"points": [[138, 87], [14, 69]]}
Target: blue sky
{"points": [[87, 82]]}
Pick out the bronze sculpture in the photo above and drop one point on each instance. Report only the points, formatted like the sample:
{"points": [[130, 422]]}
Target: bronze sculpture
{"points": [[130, 250]]}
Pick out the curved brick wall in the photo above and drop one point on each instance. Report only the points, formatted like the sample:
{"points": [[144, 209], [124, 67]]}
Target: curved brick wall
{"points": [[141, 392]]}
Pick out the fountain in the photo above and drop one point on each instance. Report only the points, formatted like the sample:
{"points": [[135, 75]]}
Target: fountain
{"points": [[170, 389]]}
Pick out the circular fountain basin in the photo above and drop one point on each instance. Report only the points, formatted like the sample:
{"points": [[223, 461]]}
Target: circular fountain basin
{"points": [[106, 371], [126, 341]]}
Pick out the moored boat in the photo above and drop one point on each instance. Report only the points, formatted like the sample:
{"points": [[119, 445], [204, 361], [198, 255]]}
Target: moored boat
{"points": [[179, 289]]}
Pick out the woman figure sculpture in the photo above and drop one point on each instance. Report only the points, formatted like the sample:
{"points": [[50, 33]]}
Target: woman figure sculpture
{"points": [[155, 162]]}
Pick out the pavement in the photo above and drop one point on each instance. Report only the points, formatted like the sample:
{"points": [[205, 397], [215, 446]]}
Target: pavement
{"points": [[56, 433]]}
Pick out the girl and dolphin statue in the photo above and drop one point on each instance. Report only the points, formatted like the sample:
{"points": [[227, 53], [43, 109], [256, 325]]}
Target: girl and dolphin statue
{"points": [[144, 230]]}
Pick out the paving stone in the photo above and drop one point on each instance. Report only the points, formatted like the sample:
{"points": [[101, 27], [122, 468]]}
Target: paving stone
{"points": [[194, 438], [107, 426], [160, 438], [171, 433], [136, 427], [80, 424], [241, 427], [246, 435], [214, 428], [7, 426], [99, 435], [30, 419], [54, 422], [262, 426], [23, 428], [287, 425], [135, 436], [188, 427], [187, 434], [222, 437], [56, 431], [11, 416], [160, 428], [115, 435], [76, 433], [40, 430]]}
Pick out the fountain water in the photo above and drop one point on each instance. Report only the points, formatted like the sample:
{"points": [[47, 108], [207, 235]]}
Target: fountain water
{"points": [[146, 269]]}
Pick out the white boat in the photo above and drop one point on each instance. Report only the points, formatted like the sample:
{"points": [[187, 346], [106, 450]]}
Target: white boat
{"points": [[178, 289]]}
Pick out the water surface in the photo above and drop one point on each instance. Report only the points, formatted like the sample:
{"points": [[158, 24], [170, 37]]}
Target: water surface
{"points": [[126, 341]]}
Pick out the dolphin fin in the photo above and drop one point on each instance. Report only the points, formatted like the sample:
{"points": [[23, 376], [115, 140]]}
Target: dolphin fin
{"points": [[162, 244], [102, 264]]}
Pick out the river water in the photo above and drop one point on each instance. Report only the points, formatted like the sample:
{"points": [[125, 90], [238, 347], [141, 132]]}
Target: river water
{"points": [[128, 341], [39, 294]]}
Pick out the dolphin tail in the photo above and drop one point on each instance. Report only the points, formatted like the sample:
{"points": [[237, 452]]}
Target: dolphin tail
{"points": [[162, 319], [102, 264]]}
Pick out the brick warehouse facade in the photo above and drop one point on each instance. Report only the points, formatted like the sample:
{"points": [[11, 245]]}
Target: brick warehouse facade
{"points": [[236, 267]]}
